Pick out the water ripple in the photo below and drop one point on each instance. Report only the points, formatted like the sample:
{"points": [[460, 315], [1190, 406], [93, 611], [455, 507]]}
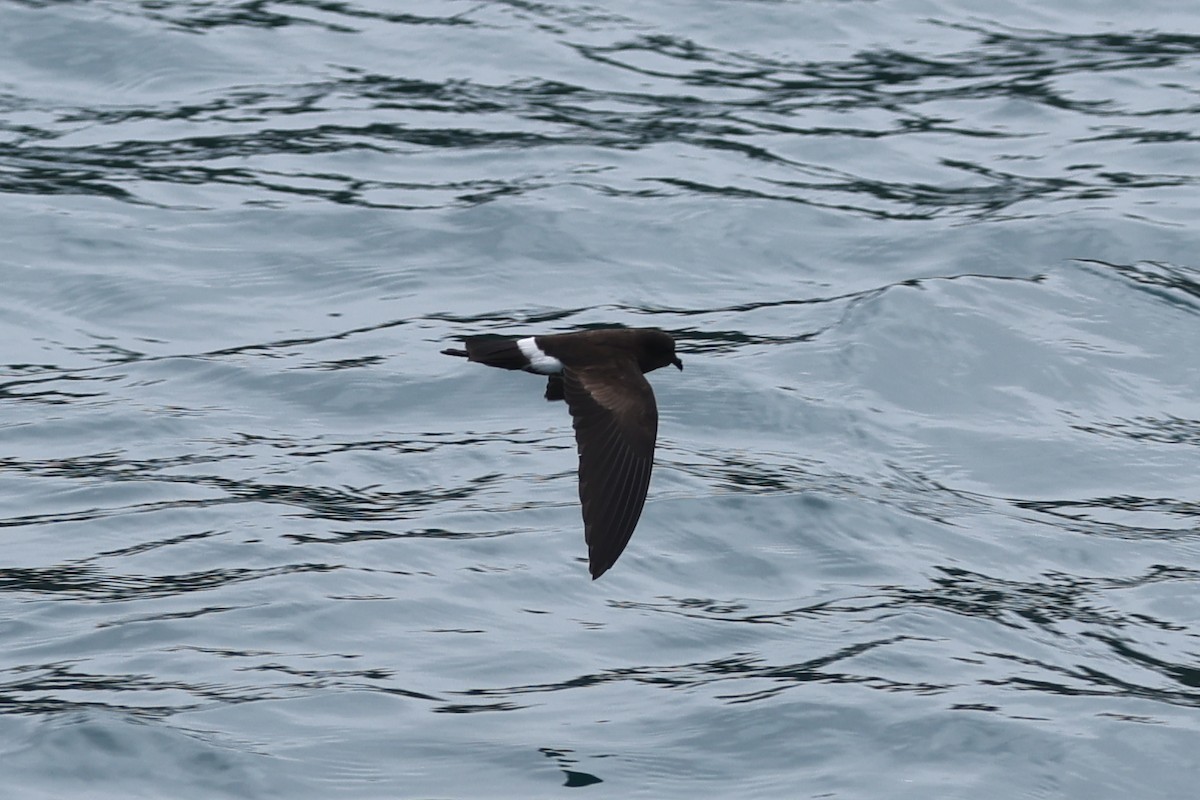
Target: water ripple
{"points": [[744, 107], [925, 491]]}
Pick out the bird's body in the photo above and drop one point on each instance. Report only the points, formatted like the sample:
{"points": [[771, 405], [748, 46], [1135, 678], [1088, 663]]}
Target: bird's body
{"points": [[599, 373]]}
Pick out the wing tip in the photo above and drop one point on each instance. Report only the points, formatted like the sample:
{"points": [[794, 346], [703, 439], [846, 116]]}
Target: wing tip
{"points": [[600, 562]]}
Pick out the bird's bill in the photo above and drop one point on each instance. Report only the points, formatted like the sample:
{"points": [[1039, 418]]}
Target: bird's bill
{"points": [[677, 363]]}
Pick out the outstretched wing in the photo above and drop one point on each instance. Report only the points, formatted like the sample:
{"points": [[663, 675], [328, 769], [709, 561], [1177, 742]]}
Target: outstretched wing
{"points": [[616, 422]]}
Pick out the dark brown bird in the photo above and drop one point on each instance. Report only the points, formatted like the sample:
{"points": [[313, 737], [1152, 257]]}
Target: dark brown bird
{"points": [[599, 374]]}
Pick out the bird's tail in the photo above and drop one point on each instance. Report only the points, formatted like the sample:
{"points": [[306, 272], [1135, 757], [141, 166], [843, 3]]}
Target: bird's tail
{"points": [[493, 351]]}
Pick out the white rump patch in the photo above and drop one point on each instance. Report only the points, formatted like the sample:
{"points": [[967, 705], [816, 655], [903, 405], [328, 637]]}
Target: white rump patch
{"points": [[539, 361]]}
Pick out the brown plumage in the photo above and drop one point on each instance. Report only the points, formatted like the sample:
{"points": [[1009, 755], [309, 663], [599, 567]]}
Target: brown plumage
{"points": [[600, 375]]}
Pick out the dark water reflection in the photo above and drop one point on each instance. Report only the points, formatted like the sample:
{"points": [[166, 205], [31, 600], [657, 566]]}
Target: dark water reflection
{"points": [[733, 103]]}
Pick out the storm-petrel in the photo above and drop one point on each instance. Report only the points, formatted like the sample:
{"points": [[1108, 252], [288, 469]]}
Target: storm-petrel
{"points": [[599, 374]]}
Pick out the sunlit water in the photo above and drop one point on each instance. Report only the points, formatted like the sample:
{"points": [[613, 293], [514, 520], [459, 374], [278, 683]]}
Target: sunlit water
{"points": [[924, 522]]}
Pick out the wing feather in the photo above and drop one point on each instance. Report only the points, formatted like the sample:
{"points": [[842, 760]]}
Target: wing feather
{"points": [[616, 422]]}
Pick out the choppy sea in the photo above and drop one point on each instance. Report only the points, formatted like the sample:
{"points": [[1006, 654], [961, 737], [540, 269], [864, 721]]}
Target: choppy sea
{"points": [[925, 520]]}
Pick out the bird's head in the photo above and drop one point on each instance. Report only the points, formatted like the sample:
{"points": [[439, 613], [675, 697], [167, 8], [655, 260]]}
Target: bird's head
{"points": [[656, 349]]}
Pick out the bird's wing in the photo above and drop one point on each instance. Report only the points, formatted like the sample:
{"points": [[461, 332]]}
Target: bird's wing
{"points": [[616, 422]]}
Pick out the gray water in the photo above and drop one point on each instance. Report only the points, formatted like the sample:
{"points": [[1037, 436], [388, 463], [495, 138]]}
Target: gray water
{"points": [[924, 521]]}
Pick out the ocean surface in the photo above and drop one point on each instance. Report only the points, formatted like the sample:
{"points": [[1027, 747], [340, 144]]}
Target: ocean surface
{"points": [[925, 520]]}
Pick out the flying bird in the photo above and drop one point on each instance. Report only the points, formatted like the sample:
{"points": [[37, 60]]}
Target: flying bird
{"points": [[599, 373]]}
